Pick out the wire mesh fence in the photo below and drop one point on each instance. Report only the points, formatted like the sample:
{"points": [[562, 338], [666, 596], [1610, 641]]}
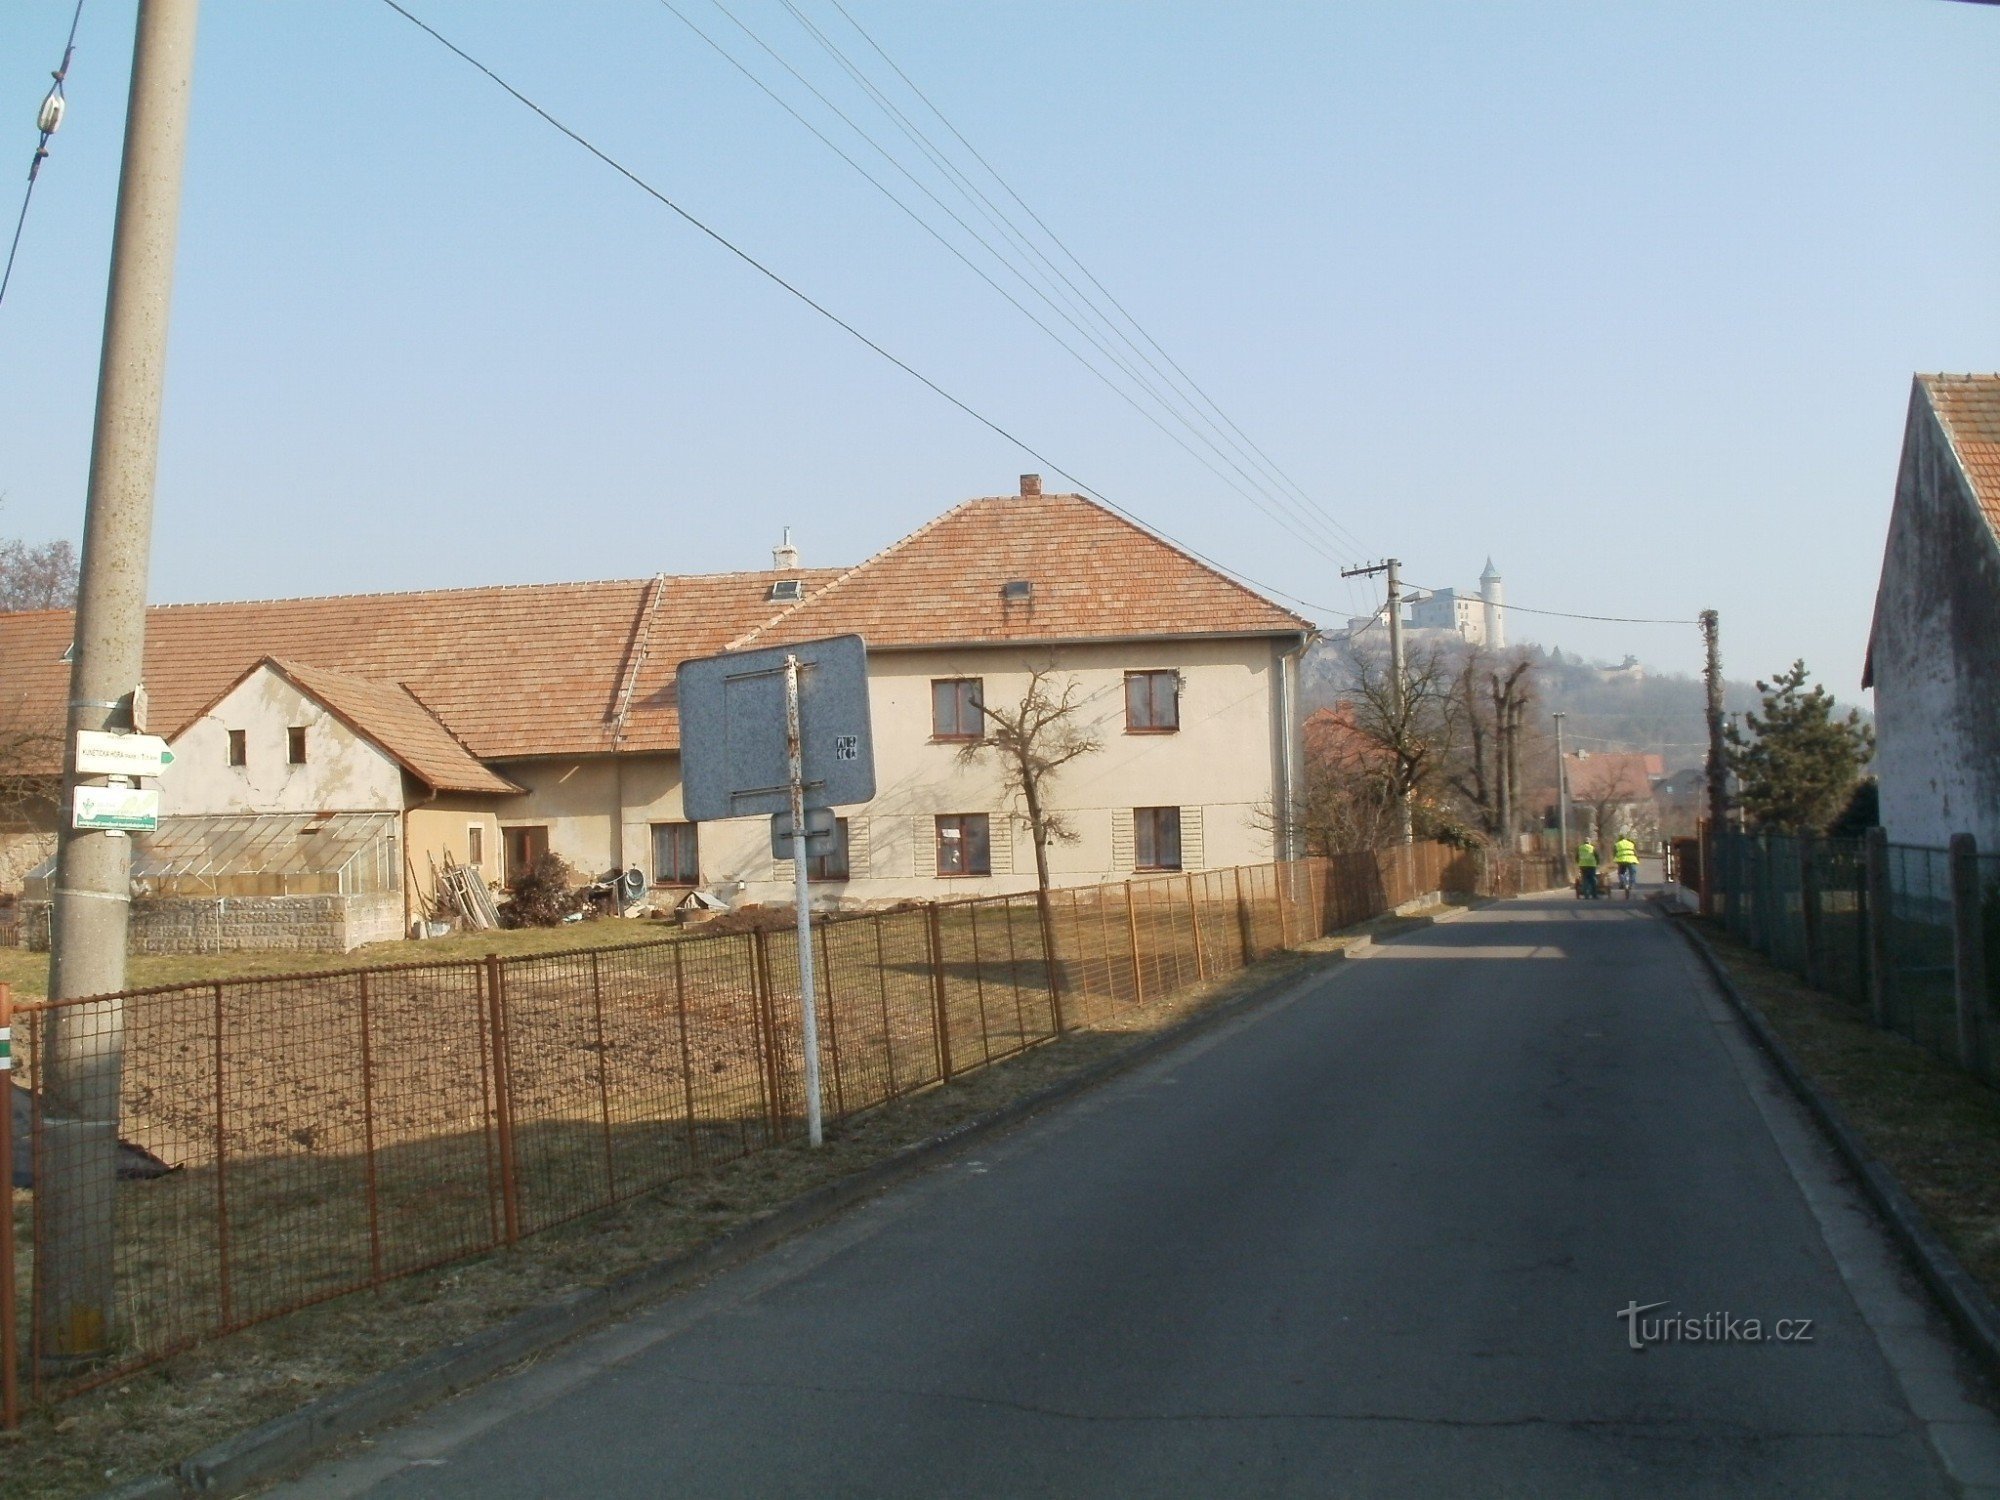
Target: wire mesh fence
{"points": [[1925, 968], [201, 1157]]}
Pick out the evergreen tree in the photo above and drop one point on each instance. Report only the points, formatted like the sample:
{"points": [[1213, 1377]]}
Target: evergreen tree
{"points": [[1797, 764]]}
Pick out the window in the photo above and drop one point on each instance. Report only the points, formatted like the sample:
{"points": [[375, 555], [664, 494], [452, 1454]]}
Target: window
{"points": [[295, 745], [955, 709], [525, 848], [676, 859], [1156, 838], [831, 865], [239, 750], [475, 845], [962, 847], [1152, 702]]}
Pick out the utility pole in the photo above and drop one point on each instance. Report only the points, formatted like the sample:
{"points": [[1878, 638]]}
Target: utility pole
{"points": [[1397, 689], [84, 1048], [1562, 795], [1718, 797]]}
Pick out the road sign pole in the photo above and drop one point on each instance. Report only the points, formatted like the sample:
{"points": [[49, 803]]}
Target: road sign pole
{"points": [[808, 1002]]}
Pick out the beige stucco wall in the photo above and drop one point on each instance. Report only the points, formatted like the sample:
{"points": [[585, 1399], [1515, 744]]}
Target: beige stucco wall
{"points": [[1221, 769], [439, 827], [343, 772]]}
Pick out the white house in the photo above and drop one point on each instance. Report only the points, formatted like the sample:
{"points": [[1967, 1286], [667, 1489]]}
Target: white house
{"points": [[496, 724], [1934, 649]]}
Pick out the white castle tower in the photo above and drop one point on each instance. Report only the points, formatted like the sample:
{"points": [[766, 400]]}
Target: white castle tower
{"points": [[1494, 596]]}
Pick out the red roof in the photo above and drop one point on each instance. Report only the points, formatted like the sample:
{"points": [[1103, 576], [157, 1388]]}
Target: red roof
{"points": [[1968, 409]]}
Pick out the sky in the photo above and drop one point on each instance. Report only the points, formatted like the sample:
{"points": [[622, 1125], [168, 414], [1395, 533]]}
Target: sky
{"points": [[1626, 296]]}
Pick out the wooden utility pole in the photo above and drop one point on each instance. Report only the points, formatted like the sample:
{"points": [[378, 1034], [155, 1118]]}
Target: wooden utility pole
{"points": [[84, 1051], [1718, 795]]}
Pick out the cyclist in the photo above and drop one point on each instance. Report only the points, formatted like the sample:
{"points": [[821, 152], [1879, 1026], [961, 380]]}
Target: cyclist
{"points": [[1586, 862], [1625, 854]]}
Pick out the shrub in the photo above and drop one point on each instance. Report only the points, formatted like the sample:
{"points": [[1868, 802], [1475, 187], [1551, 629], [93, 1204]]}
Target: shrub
{"points": [[546, 895]]}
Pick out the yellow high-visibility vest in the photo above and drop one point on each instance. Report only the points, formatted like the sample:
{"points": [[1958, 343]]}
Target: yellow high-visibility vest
{"points": [[1586, 856], [1625, 852]]}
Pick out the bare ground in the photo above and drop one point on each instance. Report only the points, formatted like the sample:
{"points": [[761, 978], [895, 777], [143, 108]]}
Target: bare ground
{"points": [[146, 1421]]}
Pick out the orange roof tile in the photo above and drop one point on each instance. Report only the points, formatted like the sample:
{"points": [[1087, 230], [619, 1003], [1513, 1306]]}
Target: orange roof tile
{"points": [[1968, 409], [391, 716], [1092, 574], [529, 670]]}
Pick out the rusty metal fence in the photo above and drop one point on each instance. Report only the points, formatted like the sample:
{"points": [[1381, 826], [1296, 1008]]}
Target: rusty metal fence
{"points": [[281, 1141]]}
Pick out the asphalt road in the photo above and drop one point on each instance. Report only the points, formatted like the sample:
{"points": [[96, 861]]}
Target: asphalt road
{"points": [[1372, 1240]]}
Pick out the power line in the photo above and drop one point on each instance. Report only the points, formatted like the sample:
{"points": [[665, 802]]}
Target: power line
{"points": [[1272, 466], [1561, 614], [832, 317], [48, 119], [1318, 543]]}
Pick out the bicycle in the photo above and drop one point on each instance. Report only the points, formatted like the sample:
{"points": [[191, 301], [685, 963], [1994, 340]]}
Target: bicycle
{"points": [[1628, 878]]}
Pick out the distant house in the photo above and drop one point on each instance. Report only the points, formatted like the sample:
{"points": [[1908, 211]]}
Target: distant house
{"points": [[1612, 792], [489, 726], [1934, 647]]}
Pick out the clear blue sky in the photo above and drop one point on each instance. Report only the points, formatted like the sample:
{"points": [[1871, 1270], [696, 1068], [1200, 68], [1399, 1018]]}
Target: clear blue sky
{"points": [[1627, 295]]}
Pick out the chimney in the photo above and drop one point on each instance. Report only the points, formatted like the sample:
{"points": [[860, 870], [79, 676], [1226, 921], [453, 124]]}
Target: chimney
{"points": [[1031, 486], [784, 556]]}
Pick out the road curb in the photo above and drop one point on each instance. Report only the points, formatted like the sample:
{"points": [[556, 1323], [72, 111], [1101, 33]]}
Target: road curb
{"points": [[275, 1448], [1962, 1299]]}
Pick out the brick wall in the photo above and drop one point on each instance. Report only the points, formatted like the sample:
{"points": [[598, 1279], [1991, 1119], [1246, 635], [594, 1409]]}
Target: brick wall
{"points": [[295, 924]]}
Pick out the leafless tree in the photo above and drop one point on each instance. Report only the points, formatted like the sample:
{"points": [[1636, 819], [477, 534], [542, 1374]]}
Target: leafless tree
{"points": [[41, 577], [1492, 703], [1032, 740], [1414, 731]]}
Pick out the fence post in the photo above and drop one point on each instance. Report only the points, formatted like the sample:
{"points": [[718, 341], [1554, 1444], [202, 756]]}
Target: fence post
{"points": [[224, 1285], [1132, 930], [1243, 921], [941, 1022], [10, 1327], [1278, 878], [368, 1132], [1875, 870], [1194, 922], [766, 1024], [503, 1101], [1809, 907], [1968, 953]]}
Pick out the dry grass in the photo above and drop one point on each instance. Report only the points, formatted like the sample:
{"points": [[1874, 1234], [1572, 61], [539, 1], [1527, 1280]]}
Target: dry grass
{"points": [[147, 1421], [28, 972], [1934, 1126]]}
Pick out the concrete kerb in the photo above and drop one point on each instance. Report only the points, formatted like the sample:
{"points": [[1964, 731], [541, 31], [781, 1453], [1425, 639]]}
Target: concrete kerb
{"points": [[1962, 1299], [276, 1448]]}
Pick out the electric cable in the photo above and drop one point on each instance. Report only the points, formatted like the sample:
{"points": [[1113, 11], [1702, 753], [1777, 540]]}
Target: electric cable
{"points": [[1273, 467], [1324, 544], [828, 314], [48, 120]]}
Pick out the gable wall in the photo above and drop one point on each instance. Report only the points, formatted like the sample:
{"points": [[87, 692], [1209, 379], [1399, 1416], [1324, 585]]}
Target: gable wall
{"points": [[1937, 654], [343, 772]]}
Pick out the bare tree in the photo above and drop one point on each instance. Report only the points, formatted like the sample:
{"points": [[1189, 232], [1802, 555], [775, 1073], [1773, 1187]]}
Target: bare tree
{"points": [[1492, 701], [1347, 802], [1414, 731], [41, 577], [1032, 740]]}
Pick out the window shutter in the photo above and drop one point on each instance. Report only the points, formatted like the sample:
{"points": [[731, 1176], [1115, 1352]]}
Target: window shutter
{"points": [[781, 869], [857, 848], [1000, 842], [1193, 856], [923, 845], [1122, 855]]}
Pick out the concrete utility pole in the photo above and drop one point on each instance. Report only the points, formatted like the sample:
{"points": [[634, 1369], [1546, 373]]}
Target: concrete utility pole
{"points": [[1718, 795], [84, 1049], [1397, 679], [1562, 794]]}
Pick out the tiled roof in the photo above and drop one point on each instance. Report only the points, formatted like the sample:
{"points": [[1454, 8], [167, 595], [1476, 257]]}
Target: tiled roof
{"points": [[530, 670], [1090, 574], [1968, 407], [1613, 776], [389, 715]]}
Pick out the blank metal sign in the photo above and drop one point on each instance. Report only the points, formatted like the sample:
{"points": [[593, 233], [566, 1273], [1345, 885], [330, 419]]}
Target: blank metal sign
{"points": [[733, 729]]}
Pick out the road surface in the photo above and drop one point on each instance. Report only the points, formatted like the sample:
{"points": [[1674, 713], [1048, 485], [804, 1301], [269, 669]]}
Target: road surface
{"points": [[1377, 1239]]}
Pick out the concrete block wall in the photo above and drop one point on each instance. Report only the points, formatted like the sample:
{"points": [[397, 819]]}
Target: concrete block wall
{"points": [[233, 924]]}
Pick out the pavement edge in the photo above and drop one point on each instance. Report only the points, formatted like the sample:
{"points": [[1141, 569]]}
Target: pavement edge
{"points": [[276, 1448], [1961, 1298]]}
